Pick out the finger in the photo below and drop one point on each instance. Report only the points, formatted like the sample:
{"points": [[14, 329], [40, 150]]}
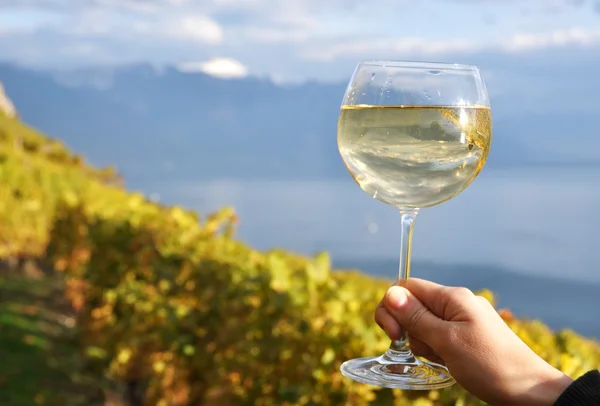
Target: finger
{"points": [[387, 323], [412, 315], [429, 293], [446, 302], [420, 349]]}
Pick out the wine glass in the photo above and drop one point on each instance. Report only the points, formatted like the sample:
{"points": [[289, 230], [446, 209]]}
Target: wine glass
{"points": [[412, 135]]}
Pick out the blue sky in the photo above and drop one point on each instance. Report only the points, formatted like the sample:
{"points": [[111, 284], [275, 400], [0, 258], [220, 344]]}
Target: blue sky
{"points": [[290, 40]]}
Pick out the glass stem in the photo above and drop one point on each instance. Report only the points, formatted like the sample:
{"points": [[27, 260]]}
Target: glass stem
{"points": [[399, 349]]}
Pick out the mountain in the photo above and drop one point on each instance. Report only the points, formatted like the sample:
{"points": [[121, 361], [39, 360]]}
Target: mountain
{"points": [[157, 125]]}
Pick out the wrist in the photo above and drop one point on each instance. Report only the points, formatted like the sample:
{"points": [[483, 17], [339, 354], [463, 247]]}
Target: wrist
{"points": [[546, 390]]}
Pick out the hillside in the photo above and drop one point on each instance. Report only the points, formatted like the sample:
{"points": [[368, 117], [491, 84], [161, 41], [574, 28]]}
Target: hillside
{"points": [[153, 305], [36, 173]]}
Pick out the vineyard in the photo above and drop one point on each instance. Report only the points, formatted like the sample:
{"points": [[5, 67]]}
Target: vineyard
{"points": [[142, 304]]}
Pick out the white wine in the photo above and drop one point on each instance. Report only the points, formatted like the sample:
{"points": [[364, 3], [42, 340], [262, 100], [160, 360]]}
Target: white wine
{"points": [[411, 156]]}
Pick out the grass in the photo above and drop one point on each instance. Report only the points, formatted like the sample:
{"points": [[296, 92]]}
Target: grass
{"points": [[38, 350]]}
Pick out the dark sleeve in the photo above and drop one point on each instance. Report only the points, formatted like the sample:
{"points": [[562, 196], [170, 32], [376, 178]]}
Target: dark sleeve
{"points": [[584, 391]]}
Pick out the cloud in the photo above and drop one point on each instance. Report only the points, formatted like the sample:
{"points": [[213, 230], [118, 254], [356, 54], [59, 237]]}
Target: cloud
{"points": [[196, 28], [266, 35], [373, 47], [225, 68], [575, 36], [391, 46], [145, 27], [276, 37]]}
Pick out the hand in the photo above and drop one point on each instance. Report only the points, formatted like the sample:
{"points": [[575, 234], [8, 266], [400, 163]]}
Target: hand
{"points": [[453, 327]]}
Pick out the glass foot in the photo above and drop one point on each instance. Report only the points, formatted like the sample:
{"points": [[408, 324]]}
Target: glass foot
{"points": [[387, 372]]}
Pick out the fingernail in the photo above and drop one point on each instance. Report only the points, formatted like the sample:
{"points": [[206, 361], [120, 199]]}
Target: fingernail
{"points": [[397, 297]]}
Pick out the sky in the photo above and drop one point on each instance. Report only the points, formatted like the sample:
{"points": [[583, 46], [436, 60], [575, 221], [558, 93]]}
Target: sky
{"points": [[291, 40]]}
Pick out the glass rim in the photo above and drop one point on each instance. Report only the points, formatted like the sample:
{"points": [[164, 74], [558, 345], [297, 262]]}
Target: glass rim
{"points": [[418, 65]]}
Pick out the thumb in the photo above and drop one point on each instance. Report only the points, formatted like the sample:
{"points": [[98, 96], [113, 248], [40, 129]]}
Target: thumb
{"points": [[413, 316]]}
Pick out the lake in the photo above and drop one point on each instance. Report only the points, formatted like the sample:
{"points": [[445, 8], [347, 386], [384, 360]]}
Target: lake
{"points": [[538, 224]]}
